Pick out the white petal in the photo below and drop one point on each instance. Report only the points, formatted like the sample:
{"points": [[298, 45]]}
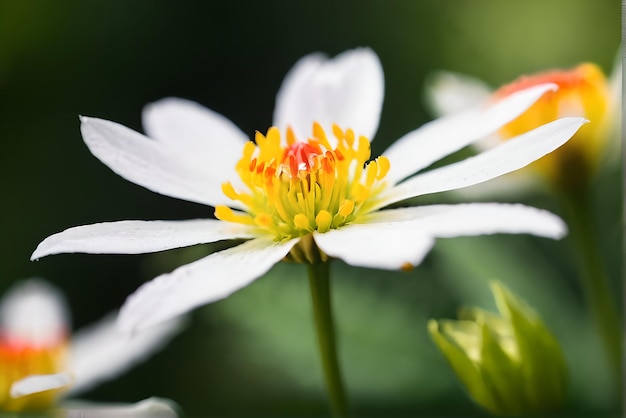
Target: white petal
{"points": [[377, 245], [138, 237], [448, 93], [40, 383], [152, 164], [148, 408], [445, 221], [434, 140], [347, 90], [33, 312], [509, 156], [509, 187], [101, 351], [201, 136], [207, 280]]}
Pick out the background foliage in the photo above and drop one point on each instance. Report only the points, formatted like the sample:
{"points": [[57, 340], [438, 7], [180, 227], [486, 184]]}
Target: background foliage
{"points": [[254, 353]]}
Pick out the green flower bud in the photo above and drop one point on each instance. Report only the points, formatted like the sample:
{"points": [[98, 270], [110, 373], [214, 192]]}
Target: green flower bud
{"points": [[509, 364]]}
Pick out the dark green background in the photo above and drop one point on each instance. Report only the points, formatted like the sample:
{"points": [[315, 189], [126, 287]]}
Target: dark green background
{"points": [[254, 354]]}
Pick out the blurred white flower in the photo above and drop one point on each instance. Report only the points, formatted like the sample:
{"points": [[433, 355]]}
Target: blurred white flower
{"points": [[148, 408], [40, 361], [583, 91], [304, 200]]}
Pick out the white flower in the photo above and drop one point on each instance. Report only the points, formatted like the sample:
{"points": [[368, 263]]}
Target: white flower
{"points": [[584, 91], [40, 360], [303, 200]]}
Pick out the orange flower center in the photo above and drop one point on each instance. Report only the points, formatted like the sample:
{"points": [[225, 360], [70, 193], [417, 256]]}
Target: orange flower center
{"points": [[20, 359], [301, 187]]}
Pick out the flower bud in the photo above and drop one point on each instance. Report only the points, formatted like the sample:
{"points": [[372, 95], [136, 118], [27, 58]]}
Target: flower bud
{"points": [[510, 364]]}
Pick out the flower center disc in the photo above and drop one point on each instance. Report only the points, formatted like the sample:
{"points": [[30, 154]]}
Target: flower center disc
{"points": [[303, 187], [19, 360]]}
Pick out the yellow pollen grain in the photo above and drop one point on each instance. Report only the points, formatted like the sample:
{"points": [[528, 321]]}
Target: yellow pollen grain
{"points": [[323, 221], [301, 221]]}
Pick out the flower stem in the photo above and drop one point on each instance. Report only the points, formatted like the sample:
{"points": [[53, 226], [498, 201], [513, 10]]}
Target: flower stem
{"points": [[594, 279], [319, 281]]}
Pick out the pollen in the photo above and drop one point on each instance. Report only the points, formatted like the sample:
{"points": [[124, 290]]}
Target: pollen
{"points": [[293, 187]]}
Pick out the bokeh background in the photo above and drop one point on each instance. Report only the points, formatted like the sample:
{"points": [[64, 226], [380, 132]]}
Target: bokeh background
{"points": [[254, 353]]}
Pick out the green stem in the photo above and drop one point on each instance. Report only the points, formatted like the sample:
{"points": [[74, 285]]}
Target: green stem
{"points": [[319, 281], [594, 279]]}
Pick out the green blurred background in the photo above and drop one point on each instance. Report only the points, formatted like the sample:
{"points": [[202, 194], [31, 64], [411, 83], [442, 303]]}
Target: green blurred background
{"points": [[254, 353]]}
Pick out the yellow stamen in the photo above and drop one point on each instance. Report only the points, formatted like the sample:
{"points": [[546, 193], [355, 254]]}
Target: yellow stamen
{"points": [[229, 191], [323, 220], [227, 214], [301, 221], [304, 186], [346, 208], [383, 167]]}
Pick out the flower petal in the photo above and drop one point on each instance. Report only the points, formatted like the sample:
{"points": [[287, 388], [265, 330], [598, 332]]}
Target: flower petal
{"points": [[101, 352], [148, 408], [509, 156], [196, 132], [376, 245], [347, 90], [434, 140], [138, 237], [446, 221], [35, 313], [448, 93], [40, 383], [151, 164], [207, 280]]}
